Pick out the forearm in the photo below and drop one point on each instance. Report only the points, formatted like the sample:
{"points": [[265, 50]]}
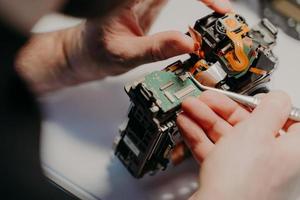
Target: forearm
{"points": [[51, 61]]}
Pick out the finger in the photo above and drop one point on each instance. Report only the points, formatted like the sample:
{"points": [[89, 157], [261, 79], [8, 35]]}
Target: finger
{"points": [[195, 137], [271, 114], [288, 124], [147, 11], [213, 125], [225, 107], [160, 46], [221, 6], [289, 143]]}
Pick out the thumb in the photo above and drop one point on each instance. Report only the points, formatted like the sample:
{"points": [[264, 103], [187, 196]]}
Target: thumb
{"points": [[162, 45]]}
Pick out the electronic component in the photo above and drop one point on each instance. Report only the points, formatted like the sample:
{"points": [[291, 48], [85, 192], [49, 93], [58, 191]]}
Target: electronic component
{"points": [[231, 57]]}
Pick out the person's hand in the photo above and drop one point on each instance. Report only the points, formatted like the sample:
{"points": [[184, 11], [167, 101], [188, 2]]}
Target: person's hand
{"points": [[242, 154], [106, 46], [120, 42]]}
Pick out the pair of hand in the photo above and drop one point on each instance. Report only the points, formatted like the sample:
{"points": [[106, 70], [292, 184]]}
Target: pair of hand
{"points": [[242, 154], [242, 158], [109, 45]]}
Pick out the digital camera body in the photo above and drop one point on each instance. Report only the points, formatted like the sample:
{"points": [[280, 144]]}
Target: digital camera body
{"points": [[231, 57]]}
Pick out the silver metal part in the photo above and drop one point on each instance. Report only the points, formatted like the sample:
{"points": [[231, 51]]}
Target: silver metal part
{"points": [[166, 86], [131, 145], [184, 91], [215, 74], [183, 77], [169, 96], [270, 26], [295, 114], [266, 32], [154, 109]]}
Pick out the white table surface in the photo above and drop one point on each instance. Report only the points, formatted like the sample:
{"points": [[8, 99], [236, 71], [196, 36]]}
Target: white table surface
{"points": [[80, 123]]}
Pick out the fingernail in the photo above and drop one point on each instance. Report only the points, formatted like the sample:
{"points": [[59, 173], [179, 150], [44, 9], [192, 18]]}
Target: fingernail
{"points": [[190, 101]]}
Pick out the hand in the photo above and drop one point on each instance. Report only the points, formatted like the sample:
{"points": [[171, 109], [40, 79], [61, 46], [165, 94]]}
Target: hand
{"points": [[118, 43], [97, 48], [241, 153]]}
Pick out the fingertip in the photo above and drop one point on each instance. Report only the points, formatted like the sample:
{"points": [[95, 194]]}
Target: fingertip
{"points": [[180, 118], [168, 44], [194, 136], [184, 124], [208, 95], [214, 99], [189, 41], [182, 43], [188, 103], [225, 107]]}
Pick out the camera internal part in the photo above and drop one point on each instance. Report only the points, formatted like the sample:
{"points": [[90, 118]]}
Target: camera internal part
{"points": [[231, 57]]}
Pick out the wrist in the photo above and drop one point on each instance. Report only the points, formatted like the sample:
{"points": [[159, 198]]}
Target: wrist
{"points": [[41, 62], [82, 63]]}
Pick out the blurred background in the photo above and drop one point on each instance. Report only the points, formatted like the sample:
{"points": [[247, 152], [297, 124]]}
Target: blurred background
{"points": [[80, 123]]}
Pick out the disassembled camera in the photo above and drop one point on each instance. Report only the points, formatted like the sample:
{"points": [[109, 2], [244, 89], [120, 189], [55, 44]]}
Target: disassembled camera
{"points": [[230, 56]]}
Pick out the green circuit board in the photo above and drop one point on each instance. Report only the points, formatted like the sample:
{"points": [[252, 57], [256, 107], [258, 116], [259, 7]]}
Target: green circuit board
{"points": [[169, 89]]}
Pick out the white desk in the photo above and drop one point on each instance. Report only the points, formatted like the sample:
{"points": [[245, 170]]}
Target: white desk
{"points": [[80, 123]]}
